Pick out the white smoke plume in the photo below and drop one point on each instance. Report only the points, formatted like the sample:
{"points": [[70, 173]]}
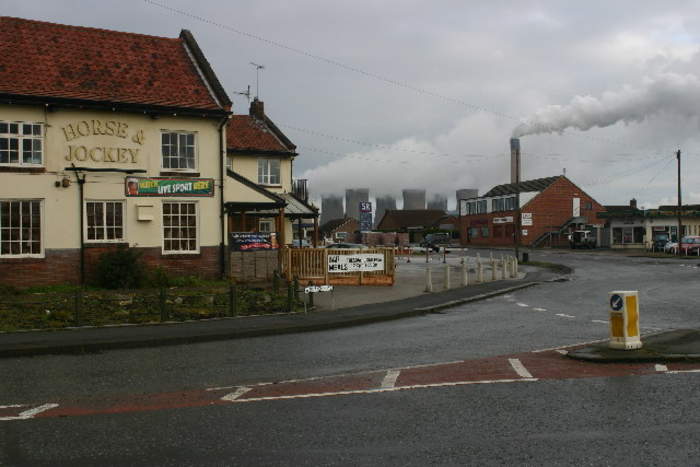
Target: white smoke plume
{"points": [[668, 93]]}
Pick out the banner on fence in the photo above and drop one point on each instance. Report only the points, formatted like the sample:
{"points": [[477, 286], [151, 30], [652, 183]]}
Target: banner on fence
{"points": [[252, 241], [359, 262]]}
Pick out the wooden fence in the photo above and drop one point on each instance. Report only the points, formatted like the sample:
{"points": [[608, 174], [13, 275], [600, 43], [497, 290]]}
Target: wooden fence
{"points": [[311, 265]]}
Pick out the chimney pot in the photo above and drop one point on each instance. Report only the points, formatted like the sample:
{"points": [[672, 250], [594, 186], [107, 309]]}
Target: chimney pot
{"points": [[633, 203]]}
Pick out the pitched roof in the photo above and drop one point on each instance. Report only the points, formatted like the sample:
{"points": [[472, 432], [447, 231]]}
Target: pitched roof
{"points": [[538, 184], [250, 134], [397, 219], [48, 60], [333, 224]]}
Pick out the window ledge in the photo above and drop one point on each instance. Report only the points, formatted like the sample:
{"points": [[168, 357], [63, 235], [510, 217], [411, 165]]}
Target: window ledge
{"points": [[270, 186], [178, 174], [13, 168], [22, 259], [98, 244], [180, 254]]}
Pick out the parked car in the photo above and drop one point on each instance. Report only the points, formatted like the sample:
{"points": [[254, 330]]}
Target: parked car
{"points": [[659, 241], [689, 245], [670, 247], [581, 239], [435, 240], [348, 246]]}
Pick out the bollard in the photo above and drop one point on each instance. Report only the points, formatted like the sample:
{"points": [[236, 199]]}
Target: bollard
{"points": [[296, 290], [462, 260], [428, 280], [465, 274], [624, 320], [311, 296], [493, 268], [275, 283], [444, 255], [232, 300], [515, 267], [479, 270], [447, 277]]}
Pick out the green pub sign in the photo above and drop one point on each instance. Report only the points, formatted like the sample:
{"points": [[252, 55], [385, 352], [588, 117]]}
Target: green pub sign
{"points": [[167, 186]]}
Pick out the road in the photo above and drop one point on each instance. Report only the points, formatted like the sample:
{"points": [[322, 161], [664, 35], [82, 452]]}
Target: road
{"points": [[163, 406]]}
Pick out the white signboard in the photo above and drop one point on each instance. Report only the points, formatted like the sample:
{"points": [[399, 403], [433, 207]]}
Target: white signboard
{"points": [[503, 220], [526, 219], [356, 262], [318, 288], [524, 232], [576, 204]]}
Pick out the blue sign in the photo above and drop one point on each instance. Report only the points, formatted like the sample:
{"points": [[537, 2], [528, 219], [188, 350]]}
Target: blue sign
{"points": [[616, 302], [365, 216]]}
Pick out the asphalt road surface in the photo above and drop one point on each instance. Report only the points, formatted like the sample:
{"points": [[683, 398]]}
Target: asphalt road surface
{"points": [[481, 384]]}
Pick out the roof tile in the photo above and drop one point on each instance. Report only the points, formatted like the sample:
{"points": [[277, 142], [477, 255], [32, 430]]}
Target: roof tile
{"points": [[247, 133], [53, 60]]}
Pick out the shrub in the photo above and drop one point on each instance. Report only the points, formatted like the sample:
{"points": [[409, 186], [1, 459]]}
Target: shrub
{"points": [[120, 269]]}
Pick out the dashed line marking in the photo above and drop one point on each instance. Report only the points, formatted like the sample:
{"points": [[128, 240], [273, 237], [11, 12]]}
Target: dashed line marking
{"points": [[389, 380], [579, 344], [564, 315], [519, 368], [661, 368], [562, 351], [524, 305], [675, 372], [236, 394], [539, 309], [599, 321], [11, 406]]}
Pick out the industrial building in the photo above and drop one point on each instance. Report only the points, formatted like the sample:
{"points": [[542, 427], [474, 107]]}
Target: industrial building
{"points": [[438, 201], [353, 198], [413, 199], [331, 208], [383, 204]]}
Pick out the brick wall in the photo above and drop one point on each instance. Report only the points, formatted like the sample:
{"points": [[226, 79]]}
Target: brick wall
{"points": [[63, 266], [550, 209]]}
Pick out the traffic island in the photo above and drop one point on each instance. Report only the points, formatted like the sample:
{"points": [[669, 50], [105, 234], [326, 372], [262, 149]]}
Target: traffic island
{"points": [[676, 345]]}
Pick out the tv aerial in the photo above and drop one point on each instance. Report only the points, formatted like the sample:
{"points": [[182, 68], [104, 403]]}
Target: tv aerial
{"points": [[257, 77]]}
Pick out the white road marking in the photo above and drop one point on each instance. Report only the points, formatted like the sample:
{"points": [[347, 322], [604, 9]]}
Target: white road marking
{"points": [[524, 305], [539, 309], [658, 367], [563, 315], [27, 414], [599, 321], [569, 345], [236, 394], [389, 380], [675, 372], [379, 390], [519, 368], [11, 406], [562, 351]]}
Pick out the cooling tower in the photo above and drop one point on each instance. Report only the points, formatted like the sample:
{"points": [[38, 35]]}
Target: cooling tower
{"points": [[383, 203], [414, 199], [438, 202], [353, 198], [331, 208]]}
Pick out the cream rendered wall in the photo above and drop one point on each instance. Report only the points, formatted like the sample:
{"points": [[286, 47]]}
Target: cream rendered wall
{"points": [[247, 166], [60, 208]]}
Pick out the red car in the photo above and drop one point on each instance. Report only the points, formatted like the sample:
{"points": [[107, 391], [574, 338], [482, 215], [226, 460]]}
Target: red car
{"points": [[689, 245]]}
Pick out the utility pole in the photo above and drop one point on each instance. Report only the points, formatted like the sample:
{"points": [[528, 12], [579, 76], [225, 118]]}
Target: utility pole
{"points": [[680, 206]]}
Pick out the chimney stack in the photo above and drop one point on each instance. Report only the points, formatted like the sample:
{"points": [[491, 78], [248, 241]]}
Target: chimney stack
{"points": [[514, 160], [257, 109], [633, 203]]}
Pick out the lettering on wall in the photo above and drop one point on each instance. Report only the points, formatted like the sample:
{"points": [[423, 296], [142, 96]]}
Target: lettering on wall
{"points": [[102, 153]]}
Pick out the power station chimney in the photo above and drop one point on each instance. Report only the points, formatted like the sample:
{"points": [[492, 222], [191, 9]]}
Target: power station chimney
{"points": [[514, 160]]}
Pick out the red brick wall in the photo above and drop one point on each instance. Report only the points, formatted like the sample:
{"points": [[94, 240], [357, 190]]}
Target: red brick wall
{"points": [[63, 266], [552, 207]]}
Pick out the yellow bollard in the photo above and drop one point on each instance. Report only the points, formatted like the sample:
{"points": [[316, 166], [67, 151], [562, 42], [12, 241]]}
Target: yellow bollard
{"points": [[624, 320]]}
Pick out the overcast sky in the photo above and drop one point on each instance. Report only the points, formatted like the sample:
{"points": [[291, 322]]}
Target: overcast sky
{"points": [[415, 94]]}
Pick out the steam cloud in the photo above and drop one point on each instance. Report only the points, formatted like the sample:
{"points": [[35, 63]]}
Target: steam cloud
{"points": [[668, 93]]}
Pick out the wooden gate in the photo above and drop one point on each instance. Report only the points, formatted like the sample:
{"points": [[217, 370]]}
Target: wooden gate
{"points": [[311, 265]]}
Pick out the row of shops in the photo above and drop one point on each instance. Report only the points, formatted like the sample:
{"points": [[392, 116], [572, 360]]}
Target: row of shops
{"points": [[130, 142]]}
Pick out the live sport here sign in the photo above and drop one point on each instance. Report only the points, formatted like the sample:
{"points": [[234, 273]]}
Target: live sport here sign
{"points": [[359, 262]]}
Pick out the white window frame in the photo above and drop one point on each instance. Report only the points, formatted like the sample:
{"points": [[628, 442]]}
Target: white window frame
{"points": [[266, 177], [195, 151], [21, 138], [163, 227], [104, 220], [269, 222], [42, 230]]}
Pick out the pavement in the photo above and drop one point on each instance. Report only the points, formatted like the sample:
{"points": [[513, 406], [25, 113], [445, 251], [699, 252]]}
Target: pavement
{"points": [[678, 345], [406, 299]]}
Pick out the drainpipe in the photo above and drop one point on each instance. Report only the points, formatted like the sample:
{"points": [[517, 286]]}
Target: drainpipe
{"points": [[222, 215]]}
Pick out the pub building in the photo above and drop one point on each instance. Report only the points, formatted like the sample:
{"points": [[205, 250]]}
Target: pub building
{"points": [[108, 138]]}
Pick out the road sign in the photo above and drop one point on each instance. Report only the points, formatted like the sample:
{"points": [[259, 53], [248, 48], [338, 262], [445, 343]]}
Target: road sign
{"points": [[616, 302], [318, 288]]}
